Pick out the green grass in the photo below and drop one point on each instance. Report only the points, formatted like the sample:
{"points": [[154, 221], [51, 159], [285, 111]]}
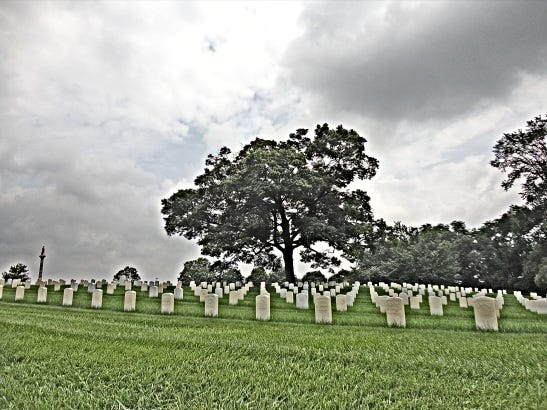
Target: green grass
{"points": [[55, 357]]}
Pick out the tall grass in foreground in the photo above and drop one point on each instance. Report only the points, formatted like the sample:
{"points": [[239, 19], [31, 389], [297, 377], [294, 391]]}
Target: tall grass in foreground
{"points": [[58, 357]]}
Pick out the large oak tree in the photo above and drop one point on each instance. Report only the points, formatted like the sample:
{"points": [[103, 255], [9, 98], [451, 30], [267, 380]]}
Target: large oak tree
{"points": [[276, 198]]}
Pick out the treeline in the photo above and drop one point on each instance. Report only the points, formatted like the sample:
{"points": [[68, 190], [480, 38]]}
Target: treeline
{"points": [[507, 253]]}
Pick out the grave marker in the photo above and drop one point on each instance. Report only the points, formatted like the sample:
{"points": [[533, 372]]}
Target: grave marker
{"points": [[263, 307], [167, 303], [395, 312], [323, 309]]}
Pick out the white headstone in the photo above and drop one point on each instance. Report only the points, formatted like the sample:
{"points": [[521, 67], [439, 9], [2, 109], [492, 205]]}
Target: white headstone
{"points": [[341, 303], [219, 292], [263, 307], [42, 295], [350, 298], [414, 302], [178, 293], [128, 285], [211, 305], [233, 297], [395, 312], [463, 302], [381, 302], [202, 294], [153, 292], [167, 303], [435, 306], [302, 301], [110, 289], [1, 291], [289, 296], [97, 299], [144, 287], [486, 313], [68, 294], [57, 286], [323, 309], [19, 292], [130, 301]]}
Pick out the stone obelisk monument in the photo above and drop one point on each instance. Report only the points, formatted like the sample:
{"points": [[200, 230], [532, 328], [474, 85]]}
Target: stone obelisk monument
{"points": [[42, 257]]}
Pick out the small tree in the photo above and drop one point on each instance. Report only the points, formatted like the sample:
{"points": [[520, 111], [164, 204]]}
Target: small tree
{"points": [[541, 277], [19, 271], [130, 272], [197, 270]]}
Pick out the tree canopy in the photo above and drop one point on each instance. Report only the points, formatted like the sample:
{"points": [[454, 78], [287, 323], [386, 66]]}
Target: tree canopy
{"points": [[523, 154], [276, 198], [18, 271], [130, 272]]}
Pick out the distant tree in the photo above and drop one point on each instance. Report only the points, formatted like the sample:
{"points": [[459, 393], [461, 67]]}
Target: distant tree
{"points": [[523, 154], [279, 198], [130, 273], [314, 276], [18, 271], [258, 274], [226, 272], [197, 270]]}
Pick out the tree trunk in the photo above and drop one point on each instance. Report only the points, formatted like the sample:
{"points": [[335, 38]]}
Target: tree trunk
{"points": [[289, 266]]}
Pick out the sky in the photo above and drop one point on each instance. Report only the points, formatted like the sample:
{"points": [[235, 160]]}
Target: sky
{"points": [[108, 107]]}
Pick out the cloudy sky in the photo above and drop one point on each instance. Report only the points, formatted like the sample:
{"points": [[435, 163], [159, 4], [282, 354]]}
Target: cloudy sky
{"points": [[108, 107]]}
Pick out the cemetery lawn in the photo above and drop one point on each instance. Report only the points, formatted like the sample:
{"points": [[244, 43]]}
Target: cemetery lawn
{"points": [[54, 357]]}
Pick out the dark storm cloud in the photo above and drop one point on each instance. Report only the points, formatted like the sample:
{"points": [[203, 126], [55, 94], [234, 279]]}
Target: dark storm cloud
{"points": [[417, 61]]}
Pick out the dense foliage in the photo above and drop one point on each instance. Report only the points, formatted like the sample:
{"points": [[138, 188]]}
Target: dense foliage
{"points": [[18, 271], [130, 273], [202, 270], [277, 198], [508, 252]]}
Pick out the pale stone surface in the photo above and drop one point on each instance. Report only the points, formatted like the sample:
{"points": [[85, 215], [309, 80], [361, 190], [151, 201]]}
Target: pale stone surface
{"points": [[395, 312], [57, 286], [97, 299], [381, 302], [404, 297], [435, 306], [15, 283], [91, 287], [74, 286], [350, 298], [332, 293], [323, 309], [167, 303], [302, 301], [110, 289], [42, 295], [219, 292], [68, 294], [178, 293], [241, 294], [463, 302], [341, 303], [486, 313], [211, 305], [19, 292], [130, 301], [444, 300], [283, 293], [289, 296], [233, 297], [202, 294], [1, 291], [144, 287], [128, 285], [153, 292], [414, 302], [263, 307]]}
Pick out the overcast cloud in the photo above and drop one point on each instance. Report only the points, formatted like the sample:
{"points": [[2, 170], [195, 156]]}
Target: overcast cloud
{"points": [[107, 107]]}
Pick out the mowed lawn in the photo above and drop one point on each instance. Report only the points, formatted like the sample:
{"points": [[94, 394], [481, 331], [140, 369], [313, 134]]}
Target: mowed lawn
{"points": [[54, 357]]}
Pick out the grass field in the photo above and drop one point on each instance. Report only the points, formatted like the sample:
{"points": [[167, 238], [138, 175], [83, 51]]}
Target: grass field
{"points": [[54, 357]]}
